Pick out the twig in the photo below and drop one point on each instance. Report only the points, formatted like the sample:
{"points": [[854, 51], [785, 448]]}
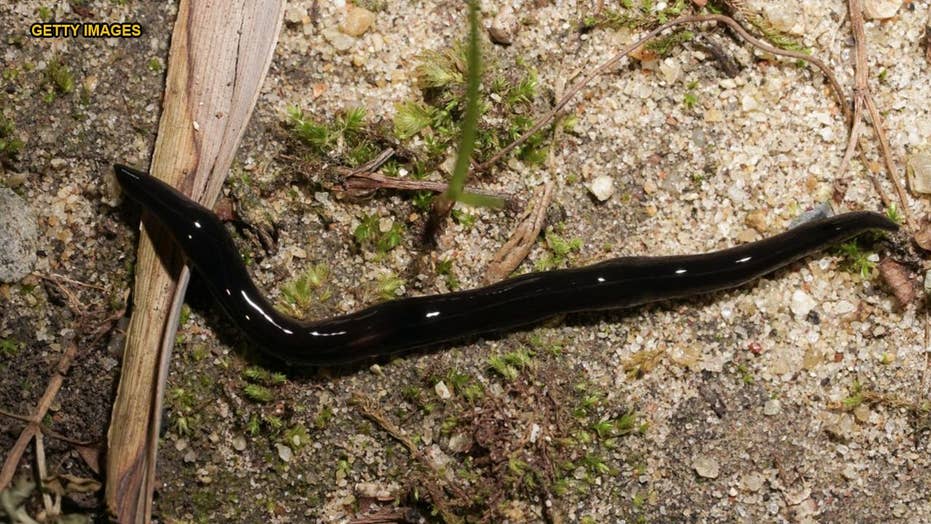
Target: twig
{"points": [[32, 428], [43, 473], [46, 430], [54, 277], [367, 182], [518, 246], [863, 97], [694, 19]]}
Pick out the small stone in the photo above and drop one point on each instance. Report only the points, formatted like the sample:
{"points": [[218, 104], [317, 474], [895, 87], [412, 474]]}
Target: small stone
{"points": [[919, 173], [602, 187], [460, 443], [820, 211], [190, 456], [649, 187], [294, 14], [757, 220], [850, 472], [747, 235], [752, 482], [442, 391], [671, 70], [713, 116], [928, 282], [772, 407], [862, 413], [844, 307], [338, 40], [840, 427], [181, 444], [880, 9], [534, 433], [357, 22], [284, 452], [802, 303], [706, 466], [385, 224], [17, 237], [499, 35], [239, 443]]}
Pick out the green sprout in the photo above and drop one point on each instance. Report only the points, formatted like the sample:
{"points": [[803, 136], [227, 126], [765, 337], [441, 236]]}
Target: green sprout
{"points": [[258, 393], [857, 260]]}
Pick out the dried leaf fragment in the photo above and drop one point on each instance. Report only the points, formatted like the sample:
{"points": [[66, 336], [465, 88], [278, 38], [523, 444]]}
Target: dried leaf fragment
{"points": [[898, 278]]}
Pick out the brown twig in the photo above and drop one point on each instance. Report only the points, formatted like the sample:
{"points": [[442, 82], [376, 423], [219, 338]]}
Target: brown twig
{"points": [[693, 19], [46, 430], [516, 249], [32, 428], [863, 97], [367, 182]]}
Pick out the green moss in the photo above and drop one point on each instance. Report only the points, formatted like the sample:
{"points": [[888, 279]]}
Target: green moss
{"points": [[857, 260], [60, 77], [560, 250], [155, 65], [298, 294], [411, 118], [10, 144], [388, 286], [296, 436], [258, 393], [9, 347], [444, 268], [323, 417], [855, 398]]}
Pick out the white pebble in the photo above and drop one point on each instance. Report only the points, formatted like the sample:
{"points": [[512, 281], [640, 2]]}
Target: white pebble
{"points": [[602, 187], [802, 303]]}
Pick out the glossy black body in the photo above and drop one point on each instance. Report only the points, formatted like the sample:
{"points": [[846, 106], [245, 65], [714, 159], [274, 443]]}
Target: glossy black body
{"points": [[408, 323]]}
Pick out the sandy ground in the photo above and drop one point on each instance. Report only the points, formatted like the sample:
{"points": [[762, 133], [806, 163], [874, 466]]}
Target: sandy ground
{"points": [[745, 402]]}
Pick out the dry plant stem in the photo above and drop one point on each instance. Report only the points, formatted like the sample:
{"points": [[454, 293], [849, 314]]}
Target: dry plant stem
{"points": [[516, 249], [364, 182], [32, 428], [43, 473], [863, 97], [730, 22], [219, 56]]}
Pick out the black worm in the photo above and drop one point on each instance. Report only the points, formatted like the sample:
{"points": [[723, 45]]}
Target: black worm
{"points": [[400, 325]]}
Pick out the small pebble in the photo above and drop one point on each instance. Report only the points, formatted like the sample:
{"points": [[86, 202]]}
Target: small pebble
{"points": [[239, 443], [442, 391], [802, 303], [919, 173], [880, 9], [357, 22], [338, 40], [602, 187], [17, 237], [284, 452], [772, 407], [752, 482], [818, 212], [706, 466], [460, 443]]}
